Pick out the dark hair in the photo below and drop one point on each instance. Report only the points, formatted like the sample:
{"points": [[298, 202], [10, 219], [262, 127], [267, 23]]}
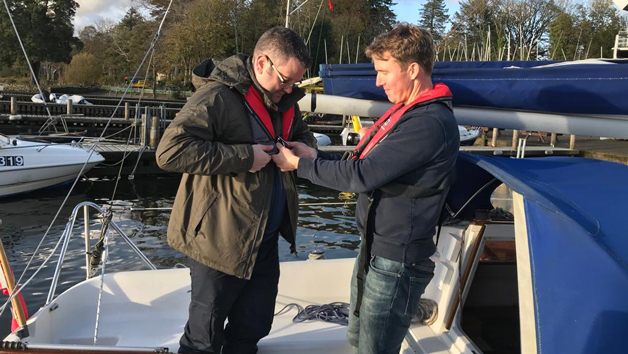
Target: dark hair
{"points": [[407, 44], [283, 43]]}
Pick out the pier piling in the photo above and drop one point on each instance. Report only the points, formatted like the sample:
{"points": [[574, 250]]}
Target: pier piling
{"points": [[13, 105], [154, 132]]}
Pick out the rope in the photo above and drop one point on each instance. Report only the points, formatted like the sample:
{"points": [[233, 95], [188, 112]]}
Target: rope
{"points": [[92, 150], [18, 288], [335, 312], [104, 257], [131, 126], [139, 156]]}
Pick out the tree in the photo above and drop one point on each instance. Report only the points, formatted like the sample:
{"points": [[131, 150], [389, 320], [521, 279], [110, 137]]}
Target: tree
{"points": [[84, 70], [605, 24], [527, 22], [131, 19], [472, 25], [206, 31], [433, 16], [562, 34], [585, 30], [45, 28]]}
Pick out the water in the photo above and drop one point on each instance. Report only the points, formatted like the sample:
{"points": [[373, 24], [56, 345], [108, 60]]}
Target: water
{"points": [[25, 219]]}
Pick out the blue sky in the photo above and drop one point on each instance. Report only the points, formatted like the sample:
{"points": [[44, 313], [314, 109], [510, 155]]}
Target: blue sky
{"points": [[408, 10]]}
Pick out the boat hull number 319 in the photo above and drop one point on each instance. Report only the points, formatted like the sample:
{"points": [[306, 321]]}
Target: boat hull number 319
{"points": [[11, 161]]}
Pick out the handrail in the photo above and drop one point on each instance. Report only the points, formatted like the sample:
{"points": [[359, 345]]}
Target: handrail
{"points": [[67, 233]]}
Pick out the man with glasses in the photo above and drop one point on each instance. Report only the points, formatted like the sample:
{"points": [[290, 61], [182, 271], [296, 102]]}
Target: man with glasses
{"points": [[233, 201]]}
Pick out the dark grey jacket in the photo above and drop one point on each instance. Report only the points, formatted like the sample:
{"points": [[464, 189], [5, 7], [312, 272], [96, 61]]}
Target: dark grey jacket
{"points": [[220, 211], [420, 151]]}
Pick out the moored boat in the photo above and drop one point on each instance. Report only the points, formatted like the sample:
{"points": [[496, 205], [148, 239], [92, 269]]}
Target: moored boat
{"points": [[29, 164]]}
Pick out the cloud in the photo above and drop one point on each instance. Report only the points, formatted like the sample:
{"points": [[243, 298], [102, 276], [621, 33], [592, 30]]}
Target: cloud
{"points": [[91, 11]]}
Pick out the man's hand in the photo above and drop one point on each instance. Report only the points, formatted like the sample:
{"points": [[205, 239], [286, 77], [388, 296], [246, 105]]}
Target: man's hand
{"points": [[301, 150], [285, 159], [260, 157]]}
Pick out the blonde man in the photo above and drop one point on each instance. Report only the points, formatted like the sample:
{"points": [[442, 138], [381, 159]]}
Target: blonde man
{"points": [[402, 169]]}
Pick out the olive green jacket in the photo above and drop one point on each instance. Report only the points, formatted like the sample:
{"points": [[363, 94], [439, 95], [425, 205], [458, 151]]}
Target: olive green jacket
{"points": [[220, 211]]}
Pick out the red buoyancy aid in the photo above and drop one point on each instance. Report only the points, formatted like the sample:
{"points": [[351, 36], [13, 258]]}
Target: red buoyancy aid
{"points": [[384, 125], [254, 100], [4, 287]]}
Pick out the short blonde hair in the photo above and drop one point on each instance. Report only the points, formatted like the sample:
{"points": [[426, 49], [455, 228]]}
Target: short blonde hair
{"points": [[407, 44]]}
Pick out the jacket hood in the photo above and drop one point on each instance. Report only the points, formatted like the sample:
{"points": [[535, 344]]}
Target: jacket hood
{"points": [[231, 72], [236, 72]]}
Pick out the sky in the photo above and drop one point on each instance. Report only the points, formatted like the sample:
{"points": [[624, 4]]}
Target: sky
{"points": [[408, 10], [91, 11]]}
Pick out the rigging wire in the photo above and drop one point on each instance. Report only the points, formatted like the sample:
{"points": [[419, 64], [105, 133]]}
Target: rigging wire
{"points": [[92, 150]]}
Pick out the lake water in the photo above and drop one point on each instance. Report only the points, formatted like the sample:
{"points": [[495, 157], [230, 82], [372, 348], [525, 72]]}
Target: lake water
{"points": [[25, 219]]}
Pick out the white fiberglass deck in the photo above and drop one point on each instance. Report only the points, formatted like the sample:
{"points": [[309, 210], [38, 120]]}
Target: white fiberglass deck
{"points": [[149, 309]]}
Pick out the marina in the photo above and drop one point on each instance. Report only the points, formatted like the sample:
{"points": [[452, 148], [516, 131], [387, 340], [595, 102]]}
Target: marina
{"points": [[530, 237]]}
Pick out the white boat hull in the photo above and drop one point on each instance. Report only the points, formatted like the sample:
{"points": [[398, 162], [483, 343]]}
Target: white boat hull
{"points": [[29, 165]]}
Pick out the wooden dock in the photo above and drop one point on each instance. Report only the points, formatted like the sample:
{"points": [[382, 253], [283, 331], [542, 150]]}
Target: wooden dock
{"points": [[140, 160], [135, 160]]}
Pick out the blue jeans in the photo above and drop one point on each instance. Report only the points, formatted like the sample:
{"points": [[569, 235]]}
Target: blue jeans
{"points": [[391, 298]]}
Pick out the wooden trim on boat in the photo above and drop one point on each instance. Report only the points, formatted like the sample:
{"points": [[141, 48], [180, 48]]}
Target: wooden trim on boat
{"points": [[477, 240], [16, 306], [524, 278], [18, 347]]}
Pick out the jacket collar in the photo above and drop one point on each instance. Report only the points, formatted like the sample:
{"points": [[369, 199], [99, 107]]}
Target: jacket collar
{"points": [[287, 101]]}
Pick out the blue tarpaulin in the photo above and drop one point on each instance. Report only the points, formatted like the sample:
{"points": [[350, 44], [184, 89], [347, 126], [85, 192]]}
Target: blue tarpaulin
{"points": [[521, 85], [575, 213]]}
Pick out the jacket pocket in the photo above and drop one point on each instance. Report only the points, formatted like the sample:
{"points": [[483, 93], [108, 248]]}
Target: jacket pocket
{"points": [[198, 211]]}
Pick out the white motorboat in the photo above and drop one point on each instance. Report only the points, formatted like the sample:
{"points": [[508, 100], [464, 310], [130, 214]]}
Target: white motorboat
{"points": [[29, 164], [322, 139], [468, 136]]}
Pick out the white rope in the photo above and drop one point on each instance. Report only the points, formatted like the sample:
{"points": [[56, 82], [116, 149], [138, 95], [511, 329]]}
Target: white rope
{"points": [[104, 258], [92, 149], [18, 289]]}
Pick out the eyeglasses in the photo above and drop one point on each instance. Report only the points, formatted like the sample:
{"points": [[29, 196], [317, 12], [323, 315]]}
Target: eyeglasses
{"points": [[284, 82]]}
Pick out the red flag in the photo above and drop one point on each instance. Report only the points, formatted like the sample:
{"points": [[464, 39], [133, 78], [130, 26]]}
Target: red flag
{"points": [[331, 7]]}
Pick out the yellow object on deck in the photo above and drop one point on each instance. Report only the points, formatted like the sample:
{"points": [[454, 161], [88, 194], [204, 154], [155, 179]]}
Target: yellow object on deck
{"points": [[357, 124]]}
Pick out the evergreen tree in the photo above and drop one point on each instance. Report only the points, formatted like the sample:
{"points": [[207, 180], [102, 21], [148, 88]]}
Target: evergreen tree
{"points": [[433, 16], [45, 28]]}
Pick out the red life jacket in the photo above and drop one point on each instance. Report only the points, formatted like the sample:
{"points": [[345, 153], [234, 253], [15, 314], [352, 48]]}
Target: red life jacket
{"points": [[255, 102], [4, 287], [384, 125]]}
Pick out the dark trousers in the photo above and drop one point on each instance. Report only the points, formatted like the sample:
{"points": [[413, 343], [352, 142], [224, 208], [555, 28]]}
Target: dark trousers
{"points": [[248, 305]]}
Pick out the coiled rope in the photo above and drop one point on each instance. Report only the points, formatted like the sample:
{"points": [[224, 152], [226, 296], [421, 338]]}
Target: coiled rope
{"points": [[335, 312]]}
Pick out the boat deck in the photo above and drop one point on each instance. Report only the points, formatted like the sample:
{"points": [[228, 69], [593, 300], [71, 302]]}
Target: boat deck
{"points": [[149, 309]]}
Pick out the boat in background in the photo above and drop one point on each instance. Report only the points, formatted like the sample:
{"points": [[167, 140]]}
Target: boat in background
{"points": [[30, 164], [322, 139]]}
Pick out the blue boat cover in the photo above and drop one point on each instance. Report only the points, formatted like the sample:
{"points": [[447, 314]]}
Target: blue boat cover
{"points": [[575, 213], [517, 85]]}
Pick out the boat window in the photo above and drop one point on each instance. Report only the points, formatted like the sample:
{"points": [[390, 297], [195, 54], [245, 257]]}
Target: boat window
{"points": [[490, 316], [501, 199]]}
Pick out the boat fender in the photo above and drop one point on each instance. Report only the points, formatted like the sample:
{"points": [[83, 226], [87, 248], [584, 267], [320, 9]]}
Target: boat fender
{"points": [[313, 102]]}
